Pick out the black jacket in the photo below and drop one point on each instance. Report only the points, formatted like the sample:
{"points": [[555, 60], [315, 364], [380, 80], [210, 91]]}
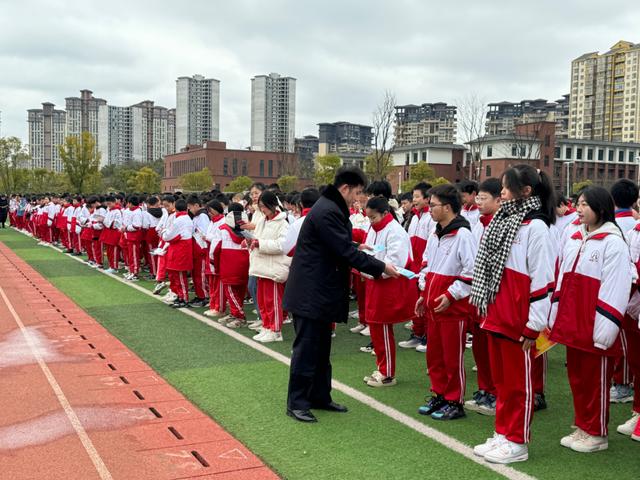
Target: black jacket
{"points": [[318, 284]]}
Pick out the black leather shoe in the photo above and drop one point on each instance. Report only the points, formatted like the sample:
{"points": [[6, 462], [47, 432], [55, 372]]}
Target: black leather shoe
{"points": [[302, 415], [332, 407]]}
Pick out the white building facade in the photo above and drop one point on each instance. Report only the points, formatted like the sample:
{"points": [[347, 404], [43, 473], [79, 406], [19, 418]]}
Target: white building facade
{"points": [[197, 110], [273, 113]]}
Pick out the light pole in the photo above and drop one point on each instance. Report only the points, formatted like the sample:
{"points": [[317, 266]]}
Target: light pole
{"points": [[567, 165]]}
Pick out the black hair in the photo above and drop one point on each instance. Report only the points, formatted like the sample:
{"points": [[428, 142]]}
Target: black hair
{"points": [[309, 197], [259, 185], [492, 186], [423, 187], [152, 200], [351, 176], [624, 193], [194, 200], [109, 198], [379, 188], [601, 202], [448, 195], [270, 200], [92, 199], [467, 186], [77, 198], [133, 200], [561, 200], [275, 187], [169, 198], [406, 196], [235, 207], [181, 205], [523, 175], [216, 206], [379, 204]]}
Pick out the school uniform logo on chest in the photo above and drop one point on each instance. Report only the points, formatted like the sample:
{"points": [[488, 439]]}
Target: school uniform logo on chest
{"points": [[517, 240], [595, 257]]}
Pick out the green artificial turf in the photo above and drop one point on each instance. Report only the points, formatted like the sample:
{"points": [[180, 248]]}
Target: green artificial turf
{"points": [[245, 391]]}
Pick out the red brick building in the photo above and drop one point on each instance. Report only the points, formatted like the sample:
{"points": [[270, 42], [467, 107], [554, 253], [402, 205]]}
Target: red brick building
{"points": [[226, 164]]}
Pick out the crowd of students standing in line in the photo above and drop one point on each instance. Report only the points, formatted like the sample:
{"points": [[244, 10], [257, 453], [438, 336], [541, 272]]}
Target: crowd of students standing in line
{"points": [[493, 265]]}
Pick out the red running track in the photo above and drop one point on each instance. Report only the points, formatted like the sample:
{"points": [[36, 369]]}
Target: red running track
{"points": [[78, 404]]}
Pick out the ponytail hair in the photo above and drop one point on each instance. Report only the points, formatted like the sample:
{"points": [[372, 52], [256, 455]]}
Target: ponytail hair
{"points": [[520, 176]]}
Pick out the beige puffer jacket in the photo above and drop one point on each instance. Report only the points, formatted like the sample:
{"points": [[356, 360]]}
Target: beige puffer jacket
{"points": [[269, 260]]}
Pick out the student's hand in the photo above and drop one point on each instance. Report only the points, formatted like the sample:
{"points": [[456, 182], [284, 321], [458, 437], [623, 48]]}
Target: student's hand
{"points": [[255, 244], [527, 343], [363, 247], [244, 244], [419, 308], [443, 303], [391, 271], [247, 226]]}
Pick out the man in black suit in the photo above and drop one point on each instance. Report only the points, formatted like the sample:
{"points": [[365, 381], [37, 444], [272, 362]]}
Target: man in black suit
{"points": [[317, 292]]}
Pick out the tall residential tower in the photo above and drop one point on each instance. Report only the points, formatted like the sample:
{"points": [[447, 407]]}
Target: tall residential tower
{"points": [[273, 113], [197, 110]]}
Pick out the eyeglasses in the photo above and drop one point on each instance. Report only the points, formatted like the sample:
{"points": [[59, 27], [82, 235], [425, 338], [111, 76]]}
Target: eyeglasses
{"points": [[433, 205]]}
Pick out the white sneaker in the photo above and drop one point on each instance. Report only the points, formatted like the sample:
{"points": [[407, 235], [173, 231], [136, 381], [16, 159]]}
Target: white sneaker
{"points": [[255, 325], [369, 377], [589, 443], [212, 313], [421, 348], [358, 328], [413, 342], [234, 323], [621, 394], [567, 441], [226, 319], [271, 337], [627, 427], [169, 297], [378, 380], [508, 452], [110, 270], [287, 321], [354, 314], [365, 331], [260, 334], [333, 334], [490, 444]]}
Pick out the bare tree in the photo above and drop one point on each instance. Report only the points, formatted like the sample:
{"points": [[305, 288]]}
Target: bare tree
{"points": [[379, 162], [472, 115]]}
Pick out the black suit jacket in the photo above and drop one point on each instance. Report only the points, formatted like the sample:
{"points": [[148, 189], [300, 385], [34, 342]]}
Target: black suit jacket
{"points": [[318, 284]]}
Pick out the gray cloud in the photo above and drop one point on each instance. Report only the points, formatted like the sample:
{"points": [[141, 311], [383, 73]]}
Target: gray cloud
{"points": [[343, 53]]}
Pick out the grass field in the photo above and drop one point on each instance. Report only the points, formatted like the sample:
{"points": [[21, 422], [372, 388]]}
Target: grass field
{"points": [[245, 391]]}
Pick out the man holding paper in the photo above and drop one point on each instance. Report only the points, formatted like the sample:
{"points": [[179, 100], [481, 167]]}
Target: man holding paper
{"points": [[317, 292]]}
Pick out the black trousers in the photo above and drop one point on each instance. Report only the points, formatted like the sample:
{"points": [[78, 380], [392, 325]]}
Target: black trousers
{"points": [[310, 372]]}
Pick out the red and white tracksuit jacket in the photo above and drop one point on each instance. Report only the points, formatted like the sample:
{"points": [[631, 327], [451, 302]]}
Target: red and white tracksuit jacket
{"points": [[521, 308], [133, 235], [179, 254], [569, 216], [588, 305], [290, 241], [230, 261], [471, 213], [420, 228], [630, 323], [447, 269], [359, 231], [216, 293], [388, 300], [201, 223]]}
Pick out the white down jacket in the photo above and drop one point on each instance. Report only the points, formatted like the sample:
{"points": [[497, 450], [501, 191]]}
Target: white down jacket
{"points": [[269, 260]]}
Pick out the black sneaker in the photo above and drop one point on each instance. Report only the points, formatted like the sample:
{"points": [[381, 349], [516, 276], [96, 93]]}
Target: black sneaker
{"points": [[198, 302], [434, 403], [179, 304], [449, 411], [487, 404], [539, 402]]}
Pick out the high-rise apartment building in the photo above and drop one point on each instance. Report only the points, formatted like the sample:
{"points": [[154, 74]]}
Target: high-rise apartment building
{"points": [[82, 113], [197, 110], [47, 128], [114, 135], [273, 113], [502, 117], [426, 124], [605, 95]]}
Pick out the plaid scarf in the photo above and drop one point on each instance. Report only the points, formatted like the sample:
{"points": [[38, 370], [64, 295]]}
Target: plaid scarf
{"points": [[494, 250]]}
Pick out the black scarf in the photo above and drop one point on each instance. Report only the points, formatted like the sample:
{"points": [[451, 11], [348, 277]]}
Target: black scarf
{"points": [[155, 212]]}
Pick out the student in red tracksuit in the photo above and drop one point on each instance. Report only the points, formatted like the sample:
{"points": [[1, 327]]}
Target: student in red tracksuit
{"points": [[110, 235], [625, 197], [588, 305], [164, 224], [151, 218], [445, 282], [201, 222], [484, 399], [421, 227], [86, 235], [133, 236], [512, 277], [389, 300], [179, 254], [217, 304], [230, 260], [97, 225], [631, 329], [360, 224], [468, 191]]}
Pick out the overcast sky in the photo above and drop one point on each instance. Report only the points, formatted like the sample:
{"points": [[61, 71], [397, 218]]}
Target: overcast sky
{"points": [[343, 53]]}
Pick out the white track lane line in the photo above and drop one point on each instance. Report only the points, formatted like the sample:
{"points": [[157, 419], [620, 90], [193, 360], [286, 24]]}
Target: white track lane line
{"points": [[429, 432], [97, 461]]}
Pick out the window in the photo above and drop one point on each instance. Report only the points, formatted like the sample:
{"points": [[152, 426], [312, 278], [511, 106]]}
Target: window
{"points": [[600, 154], [262, 168], [523, 150], [567, 153], [514, 150], [271, 168], [589, 153], [631, 156], [621, 156], [487, 171], [489, 151], [556, 152], [424, 156], [415, 157], [407, 159], [235, 166], [547, 140], [546, 160], [244, 167], [225, 168], [611, 155], [578, 154]]}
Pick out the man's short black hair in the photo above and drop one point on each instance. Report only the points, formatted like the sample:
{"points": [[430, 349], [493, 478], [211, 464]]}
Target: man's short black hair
{"points": [[423, 187], [181, 205], [406, 196], [624, 193], [561, 200], [194, 200], [351, 176], [309, 197], [379, 188], [169, 198], [448, 195], [133, 200], [492, 186], [468, 186]]}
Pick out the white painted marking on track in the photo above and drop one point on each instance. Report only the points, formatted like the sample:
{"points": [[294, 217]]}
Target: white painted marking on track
{"points": [[16, 351], [425, 430], [97, 461]]}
